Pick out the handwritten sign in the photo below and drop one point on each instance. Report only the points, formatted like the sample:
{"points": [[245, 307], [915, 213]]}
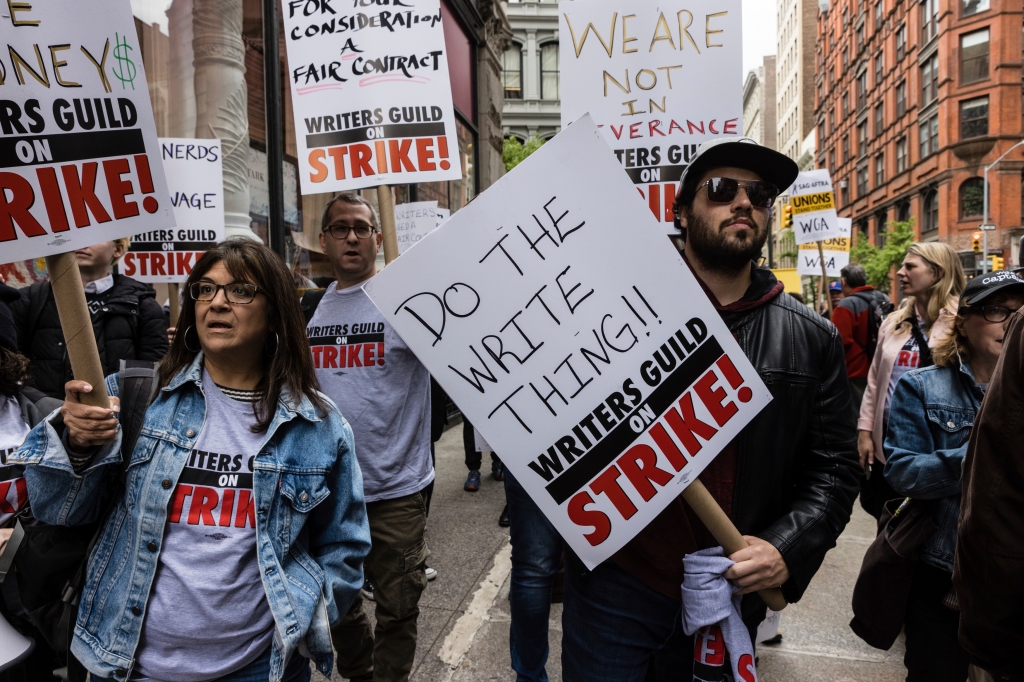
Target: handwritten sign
{"points": [[413, 222], [592, 363], [835, 249], [79, 158], [370, 94], [814, 207], [658, 78], [194, 173]]}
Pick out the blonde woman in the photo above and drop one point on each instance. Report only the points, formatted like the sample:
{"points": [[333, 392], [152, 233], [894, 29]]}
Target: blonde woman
{"points": [[931, 279]]}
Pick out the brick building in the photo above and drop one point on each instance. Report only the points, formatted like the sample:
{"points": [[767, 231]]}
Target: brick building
{"points": [[913, 99]]}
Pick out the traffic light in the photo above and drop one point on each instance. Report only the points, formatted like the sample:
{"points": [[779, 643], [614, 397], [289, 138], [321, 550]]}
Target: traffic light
{"points": [[976, 242], [787, 217], [995, 263]]}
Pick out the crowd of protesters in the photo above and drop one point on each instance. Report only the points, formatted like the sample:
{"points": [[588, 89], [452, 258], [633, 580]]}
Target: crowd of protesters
{"points": [[319, 482]]}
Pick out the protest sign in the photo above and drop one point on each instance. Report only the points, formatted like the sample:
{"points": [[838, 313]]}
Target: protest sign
{"points": [[196, 183], [413, 222], [658, 79], [370, 94], [592, 363], [814, 207], [836, 251], [79, 158], [443, 214]]}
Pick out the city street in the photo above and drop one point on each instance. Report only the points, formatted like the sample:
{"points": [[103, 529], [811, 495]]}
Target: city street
{"points": [[464, 613]]}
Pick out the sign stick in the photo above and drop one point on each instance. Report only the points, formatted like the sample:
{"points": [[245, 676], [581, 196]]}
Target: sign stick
{"points": [[716, 521], [386, 208], [175, 303], [76, 323], [824, 279]]}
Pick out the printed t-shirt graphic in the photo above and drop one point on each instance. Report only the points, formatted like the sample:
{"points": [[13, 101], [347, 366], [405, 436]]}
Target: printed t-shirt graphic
{"points": [[379, 386], [208, 613], [907, 359], [13, 429]]}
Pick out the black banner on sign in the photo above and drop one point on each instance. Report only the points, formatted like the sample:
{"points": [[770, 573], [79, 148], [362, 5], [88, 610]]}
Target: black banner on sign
{"points": [[177, 246], [655, 174], [381, 132], [346, 339], [618, 439], [39, 150]]}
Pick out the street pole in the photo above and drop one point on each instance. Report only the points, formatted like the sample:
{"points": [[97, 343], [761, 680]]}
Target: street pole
{"points": [[984, 234]]}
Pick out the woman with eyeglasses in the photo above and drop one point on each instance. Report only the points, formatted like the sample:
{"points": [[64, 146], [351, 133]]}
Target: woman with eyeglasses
{"points": [[930, 422], [239, 533], [931, 279]]}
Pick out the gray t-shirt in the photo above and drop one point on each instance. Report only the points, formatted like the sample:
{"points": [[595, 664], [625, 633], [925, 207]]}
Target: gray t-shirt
{"points": [[208, 613], [381, 389]]}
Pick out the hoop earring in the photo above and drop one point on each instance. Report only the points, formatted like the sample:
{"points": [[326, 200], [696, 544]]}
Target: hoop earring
{"points": [[277, 345], [184, 340]]}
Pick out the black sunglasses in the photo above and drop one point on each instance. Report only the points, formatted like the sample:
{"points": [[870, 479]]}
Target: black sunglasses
{"points": [[724, 190]]}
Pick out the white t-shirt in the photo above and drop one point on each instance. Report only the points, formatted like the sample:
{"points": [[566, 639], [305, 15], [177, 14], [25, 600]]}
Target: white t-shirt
{"points": [[13, 429], [380, 388]]}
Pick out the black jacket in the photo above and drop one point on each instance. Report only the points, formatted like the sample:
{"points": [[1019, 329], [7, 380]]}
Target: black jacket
{"points": [[128, 322], [797, 473]]}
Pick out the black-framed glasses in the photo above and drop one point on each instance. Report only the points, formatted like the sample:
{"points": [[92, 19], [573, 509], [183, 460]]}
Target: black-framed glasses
{"points": [[235, 292], [992, 313], [341, 231], [723, 191]]}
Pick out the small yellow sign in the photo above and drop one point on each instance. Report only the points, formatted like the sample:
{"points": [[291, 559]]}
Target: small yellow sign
{"points": [[808, 203], [834, 244]]}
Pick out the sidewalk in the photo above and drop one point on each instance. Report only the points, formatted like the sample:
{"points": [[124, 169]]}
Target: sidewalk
{"points": [[464, 613]]}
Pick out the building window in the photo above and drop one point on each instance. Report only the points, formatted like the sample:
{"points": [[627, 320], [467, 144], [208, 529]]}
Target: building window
{"points": [[901, 99], [549, 71], [846, 148], [846, 17], [974, 6], [879, 117], [974, 118], [879, 170], [512, 72], [844, 190], [832, 161], [846, 59], [930, 214], [974, 56], [821, 97], [929, 20], [903, 212], [831, 79], [821, 132], [901, 42], [846, 104], [862, 138], [901, 155], [928, 133], [879, 69], [972, 197], [860, 37], [862, 181], [930, 79], [832, 121], [862, 90], [879, 14], [881, 229]]}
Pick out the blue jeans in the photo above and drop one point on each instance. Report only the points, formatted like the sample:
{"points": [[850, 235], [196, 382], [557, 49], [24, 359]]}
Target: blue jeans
{"points": [[536, 550], [616, 629], [297, 670]]}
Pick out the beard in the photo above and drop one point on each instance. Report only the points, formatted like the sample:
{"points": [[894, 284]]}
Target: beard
{"points": [[721, 251]]}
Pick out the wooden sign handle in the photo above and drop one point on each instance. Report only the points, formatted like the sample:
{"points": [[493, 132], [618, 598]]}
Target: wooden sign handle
{"points": [[76, 323], [712, 516], [386, 207], [824, 280]]}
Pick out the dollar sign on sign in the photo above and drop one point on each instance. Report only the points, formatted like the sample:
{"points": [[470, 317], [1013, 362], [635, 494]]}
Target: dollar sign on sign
{"points": [[125, 69]]}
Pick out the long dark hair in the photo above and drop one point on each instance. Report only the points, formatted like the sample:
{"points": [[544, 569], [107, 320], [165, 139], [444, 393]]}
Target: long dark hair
{"points": [[14, 372], [289, 361]]}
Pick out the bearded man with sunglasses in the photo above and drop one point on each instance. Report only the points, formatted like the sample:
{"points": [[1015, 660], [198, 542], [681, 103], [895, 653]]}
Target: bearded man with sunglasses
{"points": [[384, 392], [788, 480]]}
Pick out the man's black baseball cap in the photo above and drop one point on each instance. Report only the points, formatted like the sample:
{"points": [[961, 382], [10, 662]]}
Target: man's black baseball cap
{"points": [[983, 286], [741, 152]]}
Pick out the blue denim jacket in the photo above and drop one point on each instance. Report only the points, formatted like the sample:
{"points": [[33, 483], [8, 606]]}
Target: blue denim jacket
{"points": [[930, 423], [311, 529]]}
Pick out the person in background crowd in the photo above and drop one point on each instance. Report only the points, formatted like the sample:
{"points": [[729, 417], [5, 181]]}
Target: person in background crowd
{"points": [[384, 392], [989, 560], [789, 479], [836, 293], [852, 317], [128, 322], [931, 279], [797, 296], [184, 583], [930, 420], [474, 459]]}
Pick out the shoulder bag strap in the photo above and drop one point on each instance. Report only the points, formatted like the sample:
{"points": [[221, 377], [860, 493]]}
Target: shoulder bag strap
{"points": [[310, 301], [7, 558]]}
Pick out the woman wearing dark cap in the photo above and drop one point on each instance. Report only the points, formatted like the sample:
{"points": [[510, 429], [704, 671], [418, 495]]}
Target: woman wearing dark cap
{"points": [[239, 533], [930, 423]]}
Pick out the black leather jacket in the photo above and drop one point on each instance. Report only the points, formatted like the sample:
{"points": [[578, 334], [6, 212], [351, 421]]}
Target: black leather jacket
{"points": [[797, 471]]}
